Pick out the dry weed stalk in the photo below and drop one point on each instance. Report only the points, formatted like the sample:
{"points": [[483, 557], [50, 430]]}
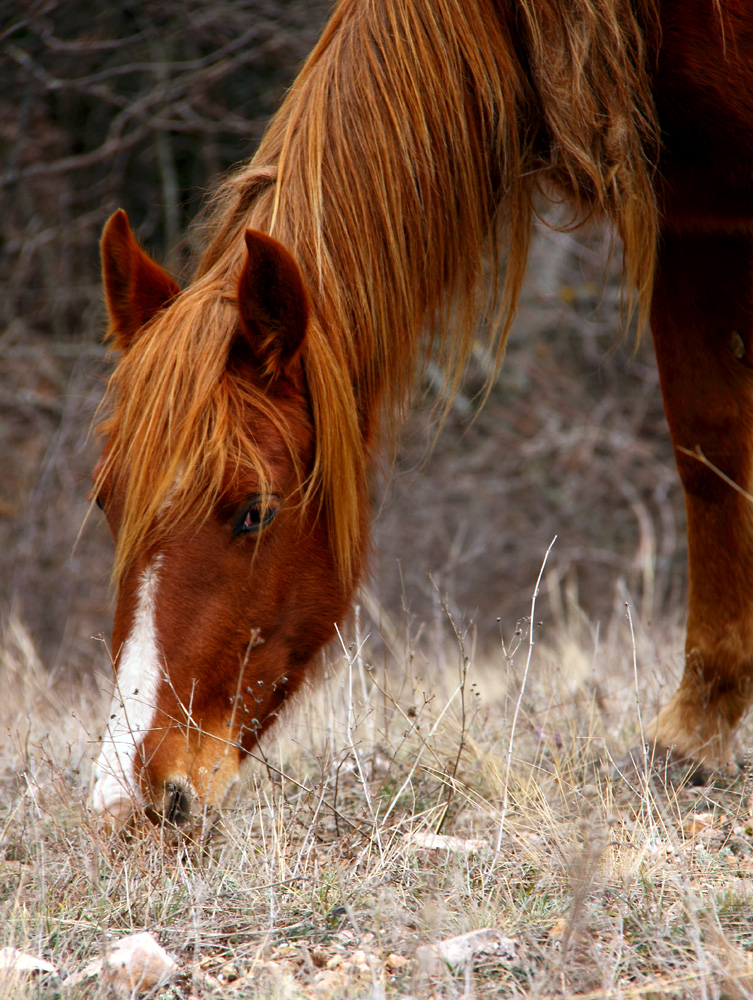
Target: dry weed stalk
{"points": [[327, 876]]}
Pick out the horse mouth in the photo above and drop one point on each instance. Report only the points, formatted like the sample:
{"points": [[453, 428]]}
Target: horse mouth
{"points": [[118, 807], [175, 797], [180, 806], [173, 806]]}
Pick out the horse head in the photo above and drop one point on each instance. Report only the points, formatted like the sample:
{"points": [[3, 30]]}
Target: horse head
{"points": [[226, 589]]}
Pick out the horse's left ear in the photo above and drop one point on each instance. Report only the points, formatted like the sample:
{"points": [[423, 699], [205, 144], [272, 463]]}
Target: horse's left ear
{"points": [[273, 304], [135, 287]]}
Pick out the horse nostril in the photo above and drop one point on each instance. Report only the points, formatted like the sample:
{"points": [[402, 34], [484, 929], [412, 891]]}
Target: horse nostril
{"points": [[177, 804]]}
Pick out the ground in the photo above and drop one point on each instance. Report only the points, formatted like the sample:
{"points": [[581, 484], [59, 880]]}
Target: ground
{"points": [[396, 809]]}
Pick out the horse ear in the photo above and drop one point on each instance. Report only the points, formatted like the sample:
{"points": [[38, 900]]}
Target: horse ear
{"points": [[135, 287], [273, 304]]}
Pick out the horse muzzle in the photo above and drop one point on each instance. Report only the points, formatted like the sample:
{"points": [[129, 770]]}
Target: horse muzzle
{"points": [[183, 781]]}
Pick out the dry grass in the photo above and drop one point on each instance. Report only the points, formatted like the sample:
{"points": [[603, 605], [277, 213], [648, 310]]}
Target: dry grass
{"points": [[317, 883]]}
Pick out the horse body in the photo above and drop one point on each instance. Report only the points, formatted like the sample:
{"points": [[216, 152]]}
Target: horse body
{"points": [[247, 410]]}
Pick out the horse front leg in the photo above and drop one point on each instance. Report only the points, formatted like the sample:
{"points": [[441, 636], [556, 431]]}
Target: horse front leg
{"points": [[702, 325]]}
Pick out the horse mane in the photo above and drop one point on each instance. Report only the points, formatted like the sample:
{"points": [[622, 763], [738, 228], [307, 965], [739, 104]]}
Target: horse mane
{"points": [[407, 156]]}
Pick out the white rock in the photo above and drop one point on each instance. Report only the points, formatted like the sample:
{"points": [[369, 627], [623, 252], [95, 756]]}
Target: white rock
{"points": [[457, 952], [13, 960], [134, 964], [444, 842]]}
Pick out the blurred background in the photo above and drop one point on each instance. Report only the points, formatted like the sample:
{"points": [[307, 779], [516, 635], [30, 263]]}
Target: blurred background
{"points": [[140, 105]]}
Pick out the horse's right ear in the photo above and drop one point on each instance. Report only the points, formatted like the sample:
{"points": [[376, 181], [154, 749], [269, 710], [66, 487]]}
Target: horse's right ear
{"points": [[135, 287], [273, 305]]}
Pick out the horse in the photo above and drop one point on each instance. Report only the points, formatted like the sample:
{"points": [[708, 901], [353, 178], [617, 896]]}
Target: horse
{"points": [[247, 411]]}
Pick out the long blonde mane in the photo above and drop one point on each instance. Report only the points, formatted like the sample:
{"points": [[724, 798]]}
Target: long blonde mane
{"points": [[408, 154]]}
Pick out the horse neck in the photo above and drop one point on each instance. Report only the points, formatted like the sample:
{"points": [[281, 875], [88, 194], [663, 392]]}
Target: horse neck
{"points": [[388, 156], [415, 127]]}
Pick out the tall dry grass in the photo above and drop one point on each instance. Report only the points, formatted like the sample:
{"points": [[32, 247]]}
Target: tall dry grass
{"points": [[326, 877]]}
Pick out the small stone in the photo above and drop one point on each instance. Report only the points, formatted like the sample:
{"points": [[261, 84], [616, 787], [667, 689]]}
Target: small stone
{"points": [[442, 842], [230, 972], [698, 823], [15, 963], [458, 952], [396, 963], [136, 963]]}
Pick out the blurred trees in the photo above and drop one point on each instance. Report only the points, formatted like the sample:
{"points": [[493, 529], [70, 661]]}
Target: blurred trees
{"points": [[136, 104]]}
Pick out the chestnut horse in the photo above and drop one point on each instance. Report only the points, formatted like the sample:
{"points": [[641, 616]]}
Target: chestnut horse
{"points": [[246, 411]]}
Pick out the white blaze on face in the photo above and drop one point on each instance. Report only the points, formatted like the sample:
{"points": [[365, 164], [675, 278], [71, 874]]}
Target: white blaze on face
{"points": [[133, 709]]}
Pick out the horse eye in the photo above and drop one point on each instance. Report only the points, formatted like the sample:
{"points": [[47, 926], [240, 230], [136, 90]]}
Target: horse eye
{"points": [[100, 503], [257, 513]]}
